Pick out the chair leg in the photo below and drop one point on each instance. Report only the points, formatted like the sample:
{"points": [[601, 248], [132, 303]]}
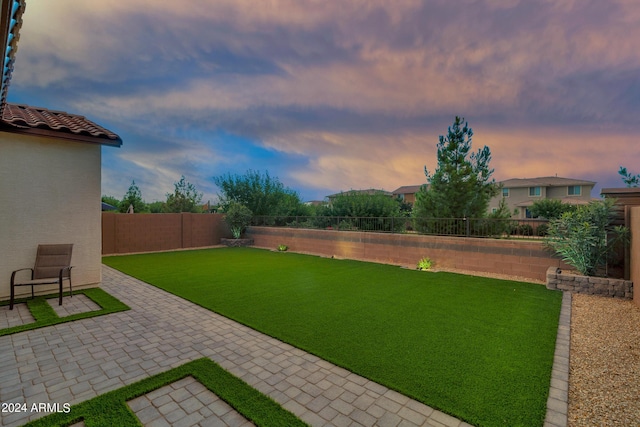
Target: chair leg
{"points": [[60, 294], [70, 290], [12, 297]]}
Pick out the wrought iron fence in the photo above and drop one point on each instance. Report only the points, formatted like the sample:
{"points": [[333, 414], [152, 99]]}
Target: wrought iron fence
{"points": [[463, 227]]}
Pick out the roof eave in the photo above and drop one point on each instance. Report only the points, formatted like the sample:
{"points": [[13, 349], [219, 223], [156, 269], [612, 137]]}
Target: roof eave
{"points": [[61, 135]]}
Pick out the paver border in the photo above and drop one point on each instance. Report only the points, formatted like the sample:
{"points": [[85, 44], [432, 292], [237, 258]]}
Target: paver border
{"points": [[558, 400]]}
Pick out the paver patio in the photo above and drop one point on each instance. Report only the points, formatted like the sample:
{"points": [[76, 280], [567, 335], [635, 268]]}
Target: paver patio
{"points": [[73, 362]]}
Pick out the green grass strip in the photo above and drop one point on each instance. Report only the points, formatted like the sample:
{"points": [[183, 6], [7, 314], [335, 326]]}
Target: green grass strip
{"points": [[477, 348], [44, 315], [110, 409]]}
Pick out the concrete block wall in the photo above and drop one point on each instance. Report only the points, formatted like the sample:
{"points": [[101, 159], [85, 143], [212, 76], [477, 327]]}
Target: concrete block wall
{"points": [[126, 233], [518, 258], [603, 286]]}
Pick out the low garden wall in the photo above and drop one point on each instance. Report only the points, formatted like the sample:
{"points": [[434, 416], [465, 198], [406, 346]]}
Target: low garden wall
{"points": [[526, 259], [603, 286]]}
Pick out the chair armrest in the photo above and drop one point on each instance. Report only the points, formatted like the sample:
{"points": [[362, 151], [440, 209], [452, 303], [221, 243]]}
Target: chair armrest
{"points": [[13, 275], [65, 268]]}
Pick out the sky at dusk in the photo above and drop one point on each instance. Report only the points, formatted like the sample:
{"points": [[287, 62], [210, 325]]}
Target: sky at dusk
{"points": [[338, 95]]}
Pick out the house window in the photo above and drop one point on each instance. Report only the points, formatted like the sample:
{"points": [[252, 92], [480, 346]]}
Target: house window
{"points": [[574, 190], [505, 192], [534, 191]]}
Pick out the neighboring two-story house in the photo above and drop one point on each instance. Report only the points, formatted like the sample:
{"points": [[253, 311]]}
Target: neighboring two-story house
{"points": [[521, 193], [407, 193]]}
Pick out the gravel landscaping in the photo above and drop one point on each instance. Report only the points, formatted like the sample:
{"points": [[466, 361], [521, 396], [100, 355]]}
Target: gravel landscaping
{"points": [[604, 381]]}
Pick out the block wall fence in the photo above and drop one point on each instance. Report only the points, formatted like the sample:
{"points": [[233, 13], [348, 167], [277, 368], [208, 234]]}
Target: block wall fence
{"points": [[634, 264], [122, 233], [518, 258], [126, 233]]}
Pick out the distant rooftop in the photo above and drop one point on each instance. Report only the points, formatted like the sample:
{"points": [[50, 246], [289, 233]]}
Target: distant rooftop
{"points": [[547, 181], [407, 189]]}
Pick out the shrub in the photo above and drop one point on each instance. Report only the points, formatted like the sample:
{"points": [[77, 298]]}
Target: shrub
{"points": [[238, 216], [282, 248], [585, 237], [425, 264], [542, 230]]}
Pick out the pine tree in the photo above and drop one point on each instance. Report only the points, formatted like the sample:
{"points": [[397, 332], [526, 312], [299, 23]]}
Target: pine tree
{"points": [[133, 198], [461, 186]]}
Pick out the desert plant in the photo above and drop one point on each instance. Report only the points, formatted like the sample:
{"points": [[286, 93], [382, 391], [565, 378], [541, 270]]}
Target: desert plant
{"points": [[238, 216], [282, 248], [425, 264], [585, 237]]}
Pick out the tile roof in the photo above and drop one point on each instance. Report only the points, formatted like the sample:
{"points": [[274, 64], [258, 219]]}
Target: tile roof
{"points": [[34, 120], [407, 189], [546, 181]]}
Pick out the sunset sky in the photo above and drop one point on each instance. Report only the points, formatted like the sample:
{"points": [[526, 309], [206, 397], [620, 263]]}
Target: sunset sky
{"points": [[338, 95]]}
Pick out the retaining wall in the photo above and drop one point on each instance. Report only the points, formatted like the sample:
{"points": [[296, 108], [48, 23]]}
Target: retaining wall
{"points": [[527, 259], [589, 285]]}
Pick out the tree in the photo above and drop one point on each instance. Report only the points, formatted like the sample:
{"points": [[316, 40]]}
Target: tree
{"points": [[133, 197], [185, 198], [110, 200], [550, 208], [377, 205], [262, 194], [628, 179], [157, 207], [238, 217], [585, 237], [461, 186]]}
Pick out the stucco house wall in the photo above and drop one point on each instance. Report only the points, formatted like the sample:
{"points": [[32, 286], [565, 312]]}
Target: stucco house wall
{"points": [[49, 193], [550, 188]]}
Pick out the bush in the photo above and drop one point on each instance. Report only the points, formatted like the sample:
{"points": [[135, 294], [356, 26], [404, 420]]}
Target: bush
{"points": [[238, 216], [542, 230], [522, 230], [585, 237], [425, 264], [283, 248]]}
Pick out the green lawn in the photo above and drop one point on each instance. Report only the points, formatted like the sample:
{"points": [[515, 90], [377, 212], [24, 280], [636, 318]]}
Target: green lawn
{"points": [[479, 349]]}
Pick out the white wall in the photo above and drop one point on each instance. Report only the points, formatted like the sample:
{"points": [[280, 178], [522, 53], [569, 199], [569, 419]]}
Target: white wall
{"points": [[49, 193]]}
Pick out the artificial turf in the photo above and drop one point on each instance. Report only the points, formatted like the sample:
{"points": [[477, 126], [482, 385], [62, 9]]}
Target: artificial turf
{"points": [[44, 315], [110, 409], [477, 348]]}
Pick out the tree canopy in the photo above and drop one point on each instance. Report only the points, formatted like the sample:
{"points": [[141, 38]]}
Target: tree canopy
{"points": [[629, 179], [461, 185], [133, 197], [262, 194], [185, 198], [550, 208]]}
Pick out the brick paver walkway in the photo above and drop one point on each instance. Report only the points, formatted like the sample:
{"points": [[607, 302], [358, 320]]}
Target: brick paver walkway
{"points": [[76, 361]]}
